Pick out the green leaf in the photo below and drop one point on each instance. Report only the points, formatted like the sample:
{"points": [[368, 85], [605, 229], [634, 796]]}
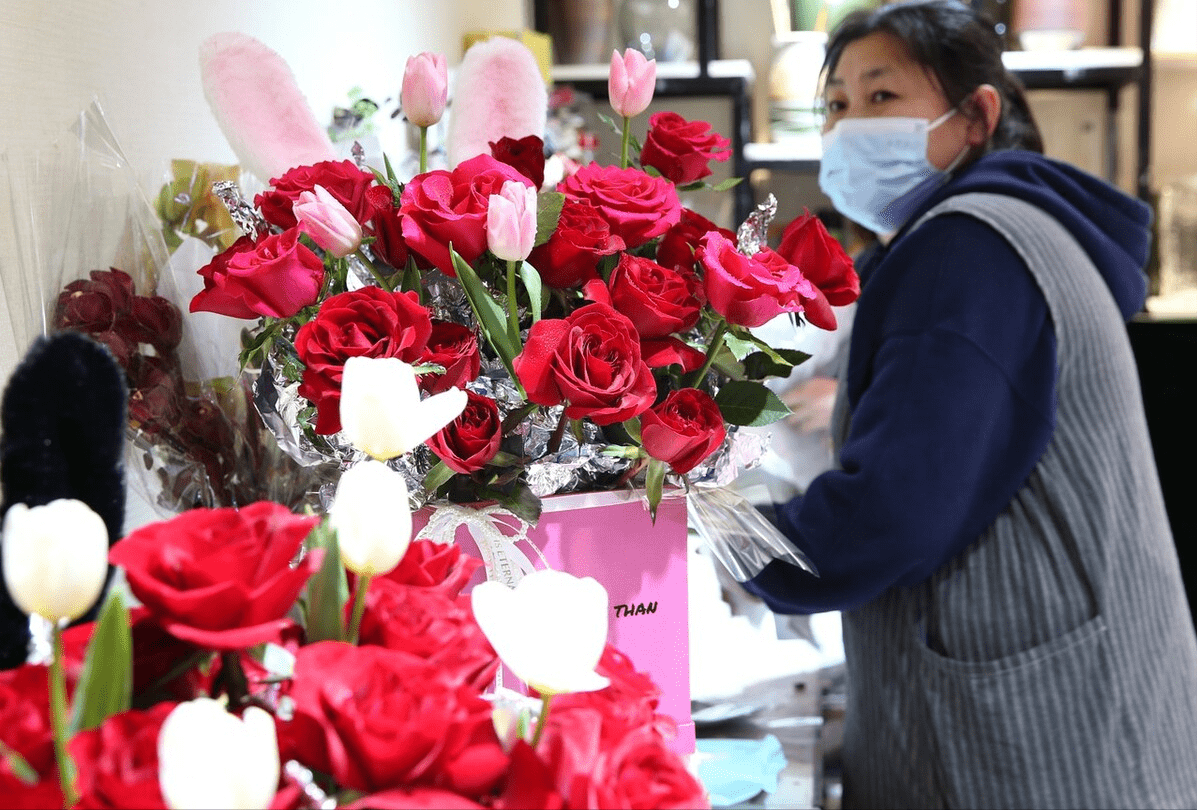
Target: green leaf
{"points": [[773, 363], [327, 590], [611, 122], [520, 501], [106, 686], [492, 319], [739, 346], [548, 213], [654, 484], [18, 765], [535, 289], [411, 281], [505, 459], [730, 182], [749, 404], [438, 475], [632, 426]]}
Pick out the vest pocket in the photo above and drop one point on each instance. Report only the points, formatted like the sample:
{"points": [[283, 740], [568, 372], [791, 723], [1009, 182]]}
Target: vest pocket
{"points": [[1033, 729]]}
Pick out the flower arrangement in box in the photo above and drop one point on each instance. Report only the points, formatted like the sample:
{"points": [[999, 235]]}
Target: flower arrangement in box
{"points": [[602, 332]]}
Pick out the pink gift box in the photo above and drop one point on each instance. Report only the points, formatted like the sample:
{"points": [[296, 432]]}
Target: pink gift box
{"points": [[643, 566]]}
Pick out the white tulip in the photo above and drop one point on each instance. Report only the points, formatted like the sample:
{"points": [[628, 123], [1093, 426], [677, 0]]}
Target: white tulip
{"points": [[372, 518], [55, 558], [208, 757], [381, 410], [550, 629]]}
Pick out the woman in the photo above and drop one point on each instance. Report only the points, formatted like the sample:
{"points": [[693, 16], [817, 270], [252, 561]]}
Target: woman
{"points": [[1015, 623]]}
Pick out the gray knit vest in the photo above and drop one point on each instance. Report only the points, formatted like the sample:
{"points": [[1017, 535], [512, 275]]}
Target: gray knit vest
{"points": [[1053, 662]]}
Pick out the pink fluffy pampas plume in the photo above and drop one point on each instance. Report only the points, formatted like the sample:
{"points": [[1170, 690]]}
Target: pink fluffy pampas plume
{"points": [[499, 91], [260, 109]]}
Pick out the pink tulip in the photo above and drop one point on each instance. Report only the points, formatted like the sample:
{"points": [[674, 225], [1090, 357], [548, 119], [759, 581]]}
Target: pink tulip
{"points": [[511, 221], [331, 226], [425, 88], [631, 82]]}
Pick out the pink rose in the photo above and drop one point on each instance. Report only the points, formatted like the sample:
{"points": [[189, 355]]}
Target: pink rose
{"points": [[683, 429], [749, 290], [275, 277], [441, 207], [591, 361], [636, 205]]}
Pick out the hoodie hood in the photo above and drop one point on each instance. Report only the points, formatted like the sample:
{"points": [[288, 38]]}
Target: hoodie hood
{"points": [[1113, 228]]}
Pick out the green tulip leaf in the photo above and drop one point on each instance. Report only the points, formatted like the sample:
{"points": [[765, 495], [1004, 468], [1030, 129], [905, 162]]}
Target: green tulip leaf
{"points": [[749, 404], [437, 476], [106, 685], [492, 319], [19, 766], [327, 590], [654, 485], [535, 289]]}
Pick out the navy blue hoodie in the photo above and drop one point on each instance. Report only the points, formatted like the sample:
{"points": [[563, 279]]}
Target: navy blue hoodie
{"points": [[951, 385]]}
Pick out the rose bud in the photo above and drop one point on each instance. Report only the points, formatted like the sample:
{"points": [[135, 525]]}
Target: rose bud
{"points": [[329, 224], [471, 440], [806, 244], [55, 558], [208, 757], [372, 518], [381, 410], [511, 221], [425, 88], [550, 629], [683, 429], [631, 82]]}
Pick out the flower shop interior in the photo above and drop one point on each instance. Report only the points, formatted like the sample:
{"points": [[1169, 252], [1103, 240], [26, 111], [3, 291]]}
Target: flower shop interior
{"points": [[1112, 84]]}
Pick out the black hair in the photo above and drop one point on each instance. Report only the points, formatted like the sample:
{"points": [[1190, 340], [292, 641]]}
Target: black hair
{"points": [[959, 47]]}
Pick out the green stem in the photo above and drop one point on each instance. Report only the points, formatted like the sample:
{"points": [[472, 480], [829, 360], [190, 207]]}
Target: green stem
{"points": [[382, 282], [712, 350], [359, 607], [540, 721], [513, 316], [627, 141], [423, 149], [58, 701]]}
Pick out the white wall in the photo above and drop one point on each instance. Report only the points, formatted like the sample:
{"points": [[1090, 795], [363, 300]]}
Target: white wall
{"points": [[139, 57]]}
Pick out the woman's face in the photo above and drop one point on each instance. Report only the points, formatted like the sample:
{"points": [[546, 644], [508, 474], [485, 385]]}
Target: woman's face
{"points": [[875, 77]]}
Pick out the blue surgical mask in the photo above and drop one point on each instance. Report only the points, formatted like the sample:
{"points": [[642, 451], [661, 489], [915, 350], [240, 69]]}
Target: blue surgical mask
{"points": [[876, 172]]}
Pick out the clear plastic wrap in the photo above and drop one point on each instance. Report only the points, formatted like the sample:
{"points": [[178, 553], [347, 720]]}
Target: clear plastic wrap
{"points": [[738, 534]]}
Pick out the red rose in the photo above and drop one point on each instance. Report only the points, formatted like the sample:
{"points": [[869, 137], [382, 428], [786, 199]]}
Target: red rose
{"points": [[669, 351], [529, 782], [376, 719], [156, 655], [219, 578], [275, 277], [441, 566], [449, 207], [367, 322], [636, 205], [471, 440], [417, 798], [343, 180], [571, 255], [639, 771], [683, 429], [117, 763], [658, 300], [25, 728], [386, 227], [750, 290], [454, 346], [806, 244], [682, 150], [676, 248], [431, 625], [99, 303], [591, 361], [525, 154], [155, 394]]}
